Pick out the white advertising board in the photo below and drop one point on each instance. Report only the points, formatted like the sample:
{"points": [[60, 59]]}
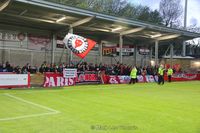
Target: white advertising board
{"points": [[7, 80], [69, 73]]}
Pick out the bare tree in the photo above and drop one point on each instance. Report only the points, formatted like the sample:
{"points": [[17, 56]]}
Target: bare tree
{"points": [[171, 11]]}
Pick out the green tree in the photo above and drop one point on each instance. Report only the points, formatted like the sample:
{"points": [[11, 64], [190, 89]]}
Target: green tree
{"points": [[121, 8]]}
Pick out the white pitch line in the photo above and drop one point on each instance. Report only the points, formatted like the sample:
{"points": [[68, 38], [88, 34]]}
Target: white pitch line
{"points": [[27, 116], [31, 103], [52, 111]]}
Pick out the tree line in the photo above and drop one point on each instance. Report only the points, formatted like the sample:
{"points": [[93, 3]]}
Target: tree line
{"points": [[168, 14]]}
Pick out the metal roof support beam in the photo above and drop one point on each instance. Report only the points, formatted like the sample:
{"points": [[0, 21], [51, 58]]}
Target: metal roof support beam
{"points": [[156, 52], [120, 47], [4, 5], [171, 54], [101, 51], [35, 19], [132, 31], [53, 48], [135, 55], [69, 51], [23, 12], [32, 57], [151, 53], [184, 49], [73, 10], [167, 37], [83, 21]]}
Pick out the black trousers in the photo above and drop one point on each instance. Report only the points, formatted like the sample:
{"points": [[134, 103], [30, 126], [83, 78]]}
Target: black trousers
{"points": [[133, 80], [169, 78], [161, 79]]}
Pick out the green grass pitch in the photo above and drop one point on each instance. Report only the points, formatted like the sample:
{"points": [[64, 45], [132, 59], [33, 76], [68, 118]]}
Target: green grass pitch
{"points": [[139, 108]]}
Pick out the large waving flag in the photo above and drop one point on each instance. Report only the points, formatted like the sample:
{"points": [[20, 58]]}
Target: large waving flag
{"points": [[79, 45]]}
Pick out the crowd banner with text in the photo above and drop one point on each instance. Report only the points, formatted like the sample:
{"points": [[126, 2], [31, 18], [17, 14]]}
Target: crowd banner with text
{"points": [[69, 73], [114, 79], [11, 80], [57, 80], [39, 42], [87, 77], [184, 77]]}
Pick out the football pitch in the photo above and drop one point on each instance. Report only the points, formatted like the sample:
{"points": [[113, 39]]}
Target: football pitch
{"points": [[139, 108]]}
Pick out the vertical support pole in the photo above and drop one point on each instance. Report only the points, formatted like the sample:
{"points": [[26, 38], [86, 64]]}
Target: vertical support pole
{"points": [[156, 52], [53, 46], [171, 54], [71, 54], [3, 53], [184, 49], [9, 55], [185, 15], [135, 55], [32, 55], [101, 51], [120, 47], [151, 55]]}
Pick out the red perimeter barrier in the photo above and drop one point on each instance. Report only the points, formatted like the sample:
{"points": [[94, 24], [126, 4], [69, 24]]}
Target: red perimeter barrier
{"points": [[184, 77], [12, 80], [56, 79], [113, 79]]}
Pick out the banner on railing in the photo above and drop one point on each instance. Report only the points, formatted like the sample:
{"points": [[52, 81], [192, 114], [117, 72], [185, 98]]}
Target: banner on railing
{"points": [[184, 77], [113, 79], [11, 80], [69, 73], [57, 80], [87, 78]]}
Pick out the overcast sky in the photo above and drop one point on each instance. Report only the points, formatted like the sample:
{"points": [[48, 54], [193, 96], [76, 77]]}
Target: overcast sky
{"points": [[193, 9]]}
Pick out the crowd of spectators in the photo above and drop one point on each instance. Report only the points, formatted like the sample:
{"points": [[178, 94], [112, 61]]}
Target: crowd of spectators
{"points": [[114, 69], [7, 67]]}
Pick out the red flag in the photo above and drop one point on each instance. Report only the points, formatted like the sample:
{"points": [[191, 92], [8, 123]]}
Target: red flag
{"points": [[79, 45]]}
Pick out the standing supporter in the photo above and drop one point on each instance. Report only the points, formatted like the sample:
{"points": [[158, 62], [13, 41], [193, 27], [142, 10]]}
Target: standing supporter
{"points": [[126, 70], [133, 75], [60, 68], [169, 74], [42, 67], [96, 67], [4, 69], [79, 67], [1, 68], [9, 67], [91, 67], [18, 70], [161, 74], [26, 68], [122, 69]]}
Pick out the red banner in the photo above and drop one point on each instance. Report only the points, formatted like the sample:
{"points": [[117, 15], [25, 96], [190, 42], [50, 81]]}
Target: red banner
{"points": [[184, 77], [87, 78], [108, 79], [57, 80], [113, 79]]}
